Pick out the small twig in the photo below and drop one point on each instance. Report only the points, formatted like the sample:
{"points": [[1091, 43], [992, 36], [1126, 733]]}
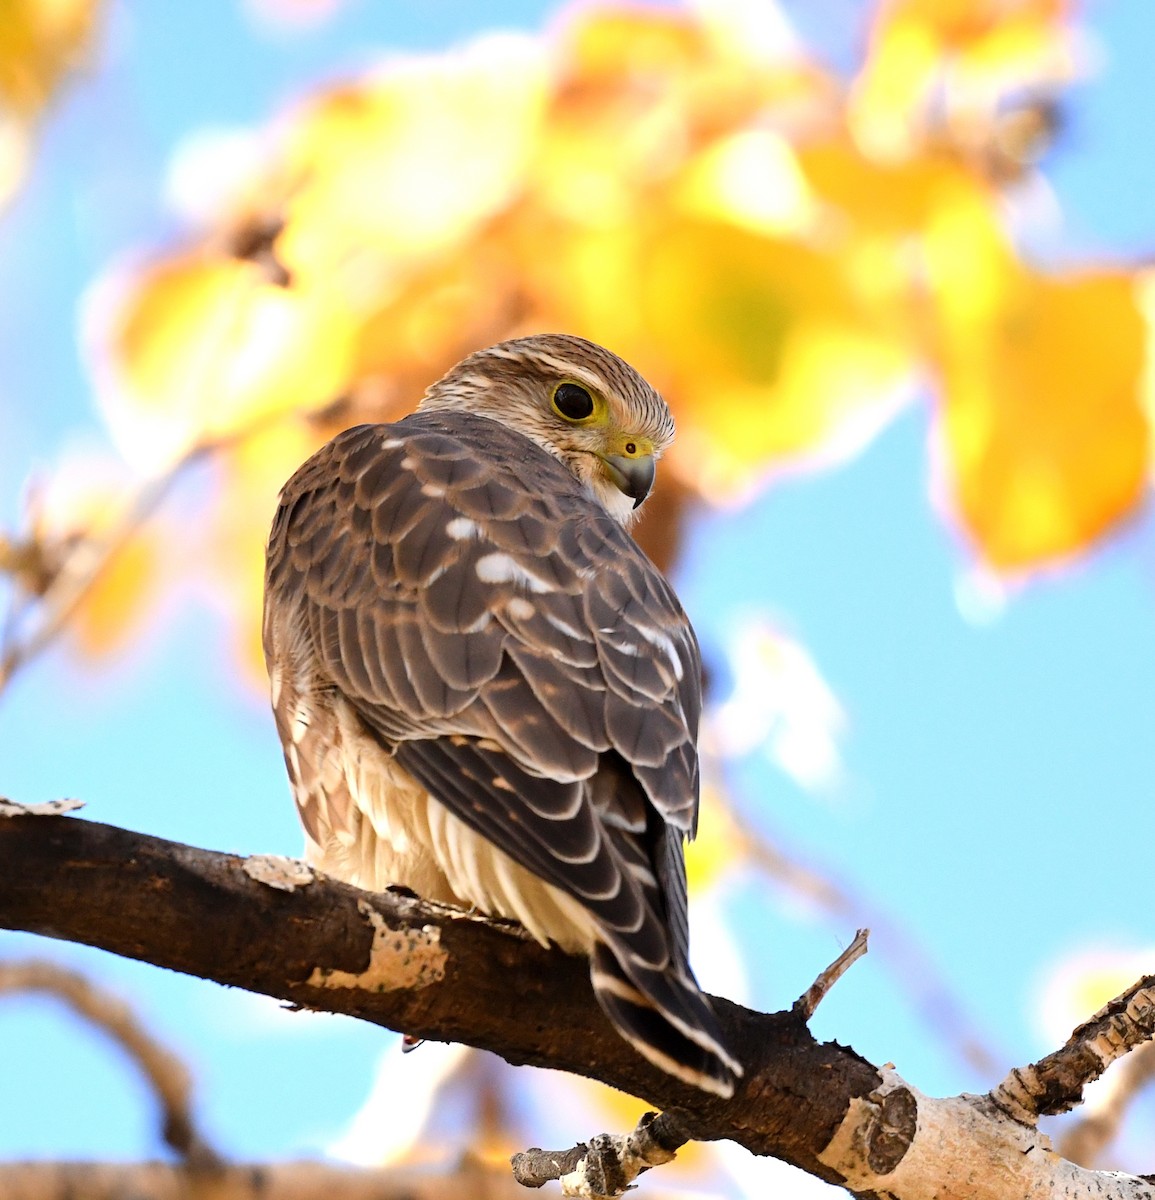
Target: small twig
{"points": [[928, 991], [256, 242], [73, 583], [70, 588], [806, 1004], [1084, 1141], [606, 1166], [1055, 1083], [164, 1071]]}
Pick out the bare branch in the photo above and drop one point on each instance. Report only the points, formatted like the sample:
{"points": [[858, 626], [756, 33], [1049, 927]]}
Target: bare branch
{"points": [[165, 1073], [439, 973], [1055, 1083], [79, 571], [607, 1166], [913, 964], [1085, 1141], [808, 1002], [252, 1181]]}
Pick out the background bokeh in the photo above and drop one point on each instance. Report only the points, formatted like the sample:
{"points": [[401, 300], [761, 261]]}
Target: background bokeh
{"points": [[888, 263]]}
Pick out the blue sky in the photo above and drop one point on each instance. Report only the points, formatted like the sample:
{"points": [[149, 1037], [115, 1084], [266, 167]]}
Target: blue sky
{"points": [[984, 763]]}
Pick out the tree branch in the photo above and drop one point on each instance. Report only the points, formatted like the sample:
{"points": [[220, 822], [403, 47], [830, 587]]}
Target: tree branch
{"points": [[1055, 1083], [442, 974], [162, 1070], [250, 1181]]}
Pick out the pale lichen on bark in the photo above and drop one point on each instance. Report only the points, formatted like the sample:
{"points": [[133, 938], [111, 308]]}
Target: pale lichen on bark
{"points": [[398, 958], [284, 874], [50, 808]]}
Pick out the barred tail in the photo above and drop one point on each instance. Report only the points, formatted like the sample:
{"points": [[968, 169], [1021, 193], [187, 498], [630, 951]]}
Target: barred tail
{"points": [[665, 1017]]}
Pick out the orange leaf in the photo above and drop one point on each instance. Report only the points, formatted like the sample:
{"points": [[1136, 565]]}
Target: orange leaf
{"points": [[112, 613], [40, 41], [1043, 433], [200, 348]]}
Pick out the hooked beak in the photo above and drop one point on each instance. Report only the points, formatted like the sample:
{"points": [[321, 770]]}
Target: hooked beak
{"points": [[633, 476]]}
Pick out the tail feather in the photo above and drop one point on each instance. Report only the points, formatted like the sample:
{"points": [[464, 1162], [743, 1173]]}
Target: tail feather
{"points": [[665, 1017]]}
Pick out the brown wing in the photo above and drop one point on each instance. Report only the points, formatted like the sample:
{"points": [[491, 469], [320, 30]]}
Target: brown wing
{"points": [[520, 655]]}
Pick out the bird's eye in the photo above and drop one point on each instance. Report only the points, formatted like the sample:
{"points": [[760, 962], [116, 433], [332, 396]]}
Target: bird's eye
{"points": [[573, 401]]}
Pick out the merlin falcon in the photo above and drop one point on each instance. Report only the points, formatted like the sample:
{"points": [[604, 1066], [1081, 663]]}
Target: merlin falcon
{"points": [[485, 691]]}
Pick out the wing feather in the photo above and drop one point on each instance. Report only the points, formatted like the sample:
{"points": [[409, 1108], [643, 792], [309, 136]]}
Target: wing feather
{"points": [[516, 651]]}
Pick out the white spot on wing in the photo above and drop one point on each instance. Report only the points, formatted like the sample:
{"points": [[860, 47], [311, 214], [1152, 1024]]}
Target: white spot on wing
{"points": [[565, 628], [391, 443], [432, 490], [461, 528], [665, 643], [501, 568], [519, 608]]}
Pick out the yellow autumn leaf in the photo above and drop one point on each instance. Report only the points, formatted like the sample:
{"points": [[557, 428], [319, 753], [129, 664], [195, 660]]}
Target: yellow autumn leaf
{"points": [[199, 348], [772, 346], [609, 47], [639, 93], [888, 198], [928, 59], [1042, 434], [1081, 982], [408, 163], [40, 42], [753, 179], [113, 611]]}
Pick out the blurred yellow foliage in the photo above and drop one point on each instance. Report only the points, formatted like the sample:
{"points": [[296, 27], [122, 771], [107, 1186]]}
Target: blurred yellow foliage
{"points": [[104, 572], [785, 256], [111, 616], [1044, 431], [202, 347], [939, 66], [710, 856], [382, 175], [252, 476], [41, 41]]}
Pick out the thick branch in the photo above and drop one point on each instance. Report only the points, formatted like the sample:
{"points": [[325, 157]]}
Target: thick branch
{"points": [[442, 974]]}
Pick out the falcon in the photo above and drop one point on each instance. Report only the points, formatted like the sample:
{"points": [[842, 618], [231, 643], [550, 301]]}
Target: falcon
{"points": [[485, 691]]}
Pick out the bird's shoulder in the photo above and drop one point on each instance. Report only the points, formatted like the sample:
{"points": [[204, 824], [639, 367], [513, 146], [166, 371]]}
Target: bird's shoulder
{"points": [[444, 485], [446, 554]]}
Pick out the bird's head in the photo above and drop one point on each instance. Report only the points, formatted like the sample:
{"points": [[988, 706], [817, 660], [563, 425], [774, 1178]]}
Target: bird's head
{"points": [[575, 399]]}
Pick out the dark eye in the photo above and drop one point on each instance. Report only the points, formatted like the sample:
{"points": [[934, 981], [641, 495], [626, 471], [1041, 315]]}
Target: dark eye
{"points": [[573, 401]]}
